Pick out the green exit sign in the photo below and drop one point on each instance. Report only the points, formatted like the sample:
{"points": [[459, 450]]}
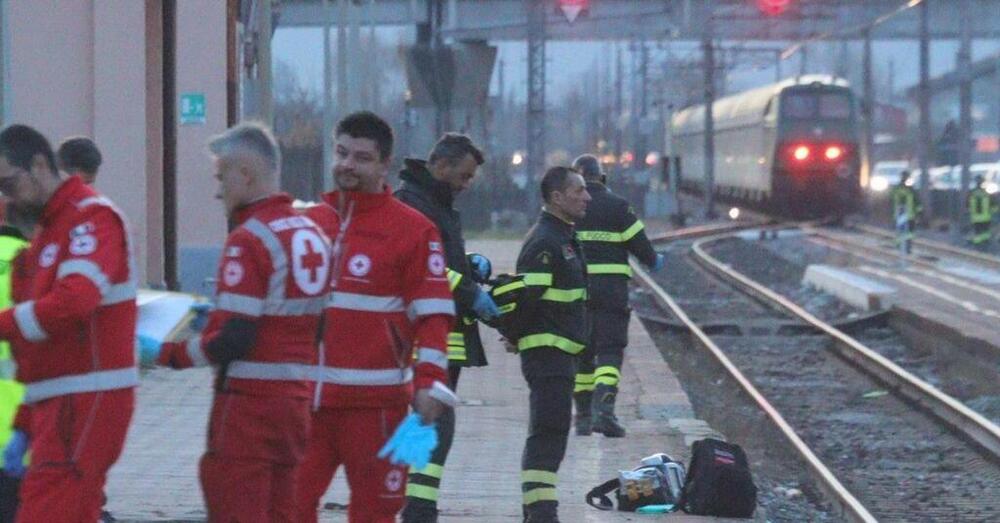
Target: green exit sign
{"points": [[192, 108]]}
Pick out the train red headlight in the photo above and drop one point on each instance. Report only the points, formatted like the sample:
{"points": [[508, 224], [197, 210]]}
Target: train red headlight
{"points": [[833, 152], [801, 153]]}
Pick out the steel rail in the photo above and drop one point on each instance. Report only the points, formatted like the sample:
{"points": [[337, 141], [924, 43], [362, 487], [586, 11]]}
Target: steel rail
{"points": [[845, 502], [935, 246], [945, 408]]}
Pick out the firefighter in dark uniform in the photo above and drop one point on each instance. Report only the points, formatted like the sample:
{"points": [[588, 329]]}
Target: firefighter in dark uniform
{"points": [[981, 210], [430, 188], [608, 233], [553, 332]]}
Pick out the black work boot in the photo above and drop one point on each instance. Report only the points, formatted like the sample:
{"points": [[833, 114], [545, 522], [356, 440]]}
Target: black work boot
{"points": [[582, 419], [542, 512], [416, 512], [604, 420]]}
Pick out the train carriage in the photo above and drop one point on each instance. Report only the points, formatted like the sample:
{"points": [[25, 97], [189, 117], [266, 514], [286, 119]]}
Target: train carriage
{"points": [[789, 148]]}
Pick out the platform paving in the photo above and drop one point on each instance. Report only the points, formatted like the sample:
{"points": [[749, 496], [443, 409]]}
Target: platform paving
{"points": [[156, 478]]}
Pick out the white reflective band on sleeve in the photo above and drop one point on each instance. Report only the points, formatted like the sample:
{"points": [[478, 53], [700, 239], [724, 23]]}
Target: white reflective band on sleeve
{"points": [[119, 293], [87, 269], [279, 259], [432, 356], [79, 383], [240, 304], [295, 306], [430, 306], [197, 355], [252, 370], [364, 302], [24, 316]]}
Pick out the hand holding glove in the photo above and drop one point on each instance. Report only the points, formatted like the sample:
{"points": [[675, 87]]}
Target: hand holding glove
{"points": [[13, 454], [149, 350], [412, 443], [481, 266], [484, 306]]}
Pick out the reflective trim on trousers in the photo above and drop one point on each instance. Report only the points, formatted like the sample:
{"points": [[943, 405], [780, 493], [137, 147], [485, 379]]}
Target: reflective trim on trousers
{"points": [[564, 295], [549, 340], [78, 383], [195, 352]]}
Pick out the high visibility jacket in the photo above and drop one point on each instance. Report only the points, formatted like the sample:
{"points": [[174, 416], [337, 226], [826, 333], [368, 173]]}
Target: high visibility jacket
{"points": [[554, 301], [11, 244], [76, 331], [389, 300], [608, 233], [11, 391], [275, 271], [905, 200], [434, 200], [981, 206]]}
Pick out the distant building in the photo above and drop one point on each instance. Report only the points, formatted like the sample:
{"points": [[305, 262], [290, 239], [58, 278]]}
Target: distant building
{"points": [[985, 106]]}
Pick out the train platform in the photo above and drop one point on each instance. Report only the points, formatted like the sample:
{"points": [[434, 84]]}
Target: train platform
{"points": [[937, 296], [156, 478]]}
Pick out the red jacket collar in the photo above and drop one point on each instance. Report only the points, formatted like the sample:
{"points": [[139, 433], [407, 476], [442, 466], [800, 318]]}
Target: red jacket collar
{"points": [[71, 191], [249, 210], [362, 201]]}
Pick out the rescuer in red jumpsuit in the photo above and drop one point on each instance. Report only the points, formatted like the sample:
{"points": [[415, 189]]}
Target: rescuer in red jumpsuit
{"points": [[73, 336], [389, 300], [273, 280]]}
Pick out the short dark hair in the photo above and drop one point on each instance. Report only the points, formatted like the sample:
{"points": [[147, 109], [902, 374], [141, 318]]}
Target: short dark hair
{"points": [[589, 166], [453, 147], [366, 124], [20, 143], [79, 153], [555, 179]]}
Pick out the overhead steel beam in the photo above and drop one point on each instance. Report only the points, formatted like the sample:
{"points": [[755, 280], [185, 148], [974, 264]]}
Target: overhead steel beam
{"points": [[678, 19]]}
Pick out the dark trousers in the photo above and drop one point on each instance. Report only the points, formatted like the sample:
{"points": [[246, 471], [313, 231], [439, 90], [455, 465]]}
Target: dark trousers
{"points": [[423, 485], [601, 361], [549, 373]]}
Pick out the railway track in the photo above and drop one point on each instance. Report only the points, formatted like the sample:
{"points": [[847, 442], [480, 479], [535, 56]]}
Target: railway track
{"points": [[880, 443]]}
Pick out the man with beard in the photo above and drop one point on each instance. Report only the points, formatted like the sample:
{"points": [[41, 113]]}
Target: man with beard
{"points": [[74, 335], [389, 302]]}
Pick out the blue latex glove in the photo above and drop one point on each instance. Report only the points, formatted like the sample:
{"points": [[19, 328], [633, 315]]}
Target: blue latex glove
{"points": [[411, 444], [149, 349], [484, 306], [13, 454], [661, 262], [482, 268]]}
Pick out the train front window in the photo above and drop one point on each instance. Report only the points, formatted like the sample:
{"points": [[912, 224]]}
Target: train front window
{"points": [[834, 106], [828, 106]]}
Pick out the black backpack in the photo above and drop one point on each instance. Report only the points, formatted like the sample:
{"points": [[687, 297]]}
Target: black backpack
{"points": [[719, 481]]}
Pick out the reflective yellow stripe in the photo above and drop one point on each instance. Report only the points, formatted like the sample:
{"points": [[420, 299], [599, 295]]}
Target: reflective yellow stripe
{"points": [[512, 286], [599, 236], [540, 494], [538, 278], [539, 476], [564, 295], [607, 369], [432, 469], [632, 230], [504, 309], [421, 491], [609, 268], [454, 278], [583, 387], [549, 340], [456, 338], [584, 378]]}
